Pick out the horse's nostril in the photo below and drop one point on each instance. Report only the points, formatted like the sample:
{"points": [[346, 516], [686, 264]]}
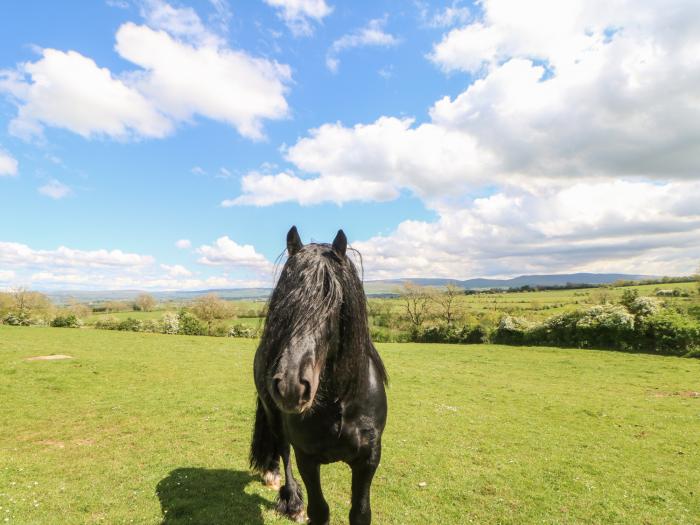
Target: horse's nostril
{"points": [[306, 392]]}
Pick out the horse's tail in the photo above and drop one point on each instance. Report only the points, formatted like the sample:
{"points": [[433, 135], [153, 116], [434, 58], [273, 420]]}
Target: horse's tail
{"points": [[263, 448]]}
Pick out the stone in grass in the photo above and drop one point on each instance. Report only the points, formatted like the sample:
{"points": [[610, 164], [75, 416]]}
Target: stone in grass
{"points": [[422, 484]]}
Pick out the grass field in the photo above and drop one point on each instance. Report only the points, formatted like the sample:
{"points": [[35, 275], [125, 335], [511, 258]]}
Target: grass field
{"points": [[145, 428], [542, 304]]}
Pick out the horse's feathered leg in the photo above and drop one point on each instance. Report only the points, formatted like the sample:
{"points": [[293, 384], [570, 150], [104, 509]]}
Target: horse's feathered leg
{"points": [[362, 473], [311, 474], [290, 501], [264, 449]]}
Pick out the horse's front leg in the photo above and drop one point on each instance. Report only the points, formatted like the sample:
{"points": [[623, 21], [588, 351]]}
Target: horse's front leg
{"points": [[290, 501], [362, 474], [310, 471]]}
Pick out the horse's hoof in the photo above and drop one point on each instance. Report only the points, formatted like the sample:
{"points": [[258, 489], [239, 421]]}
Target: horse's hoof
{"points": [[272, 480], [299, 517]]}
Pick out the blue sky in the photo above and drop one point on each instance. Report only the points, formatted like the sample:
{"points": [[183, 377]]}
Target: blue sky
{"points": [[446, 138]]}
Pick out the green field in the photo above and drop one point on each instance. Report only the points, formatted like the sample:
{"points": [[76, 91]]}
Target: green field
{"points": [[539, 305], [146, 428]]}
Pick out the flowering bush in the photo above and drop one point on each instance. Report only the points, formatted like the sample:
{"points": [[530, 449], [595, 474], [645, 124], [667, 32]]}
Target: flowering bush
{"points": [[170, 323], [67, 321]]}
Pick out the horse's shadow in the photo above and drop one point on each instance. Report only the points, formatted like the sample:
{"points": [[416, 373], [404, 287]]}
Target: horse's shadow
{"points": [[199, 496]]}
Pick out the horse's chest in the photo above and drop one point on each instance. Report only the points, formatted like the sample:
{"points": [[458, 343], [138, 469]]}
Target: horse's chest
{"points": [[324, 436]]}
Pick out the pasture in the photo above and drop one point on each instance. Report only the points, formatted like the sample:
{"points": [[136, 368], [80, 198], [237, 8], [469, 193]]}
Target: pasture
{"points": [[146, 428]]}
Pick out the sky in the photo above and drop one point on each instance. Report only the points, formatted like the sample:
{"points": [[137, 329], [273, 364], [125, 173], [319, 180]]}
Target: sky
{"points": [[158, 145]]}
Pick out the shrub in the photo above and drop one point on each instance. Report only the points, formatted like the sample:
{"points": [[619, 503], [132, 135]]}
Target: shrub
{"points": [[107, 323], [511, 331], [19, 319], [607, 326], [170, 323], [644, 306], [669, 332], [241, 330], [151, 325], [66, 321], [129, 325], [189, 324]]}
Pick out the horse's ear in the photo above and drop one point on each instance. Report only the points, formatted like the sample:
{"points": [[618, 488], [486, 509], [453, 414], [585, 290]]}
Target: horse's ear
{"points": [[340, 243], [293, 241]]}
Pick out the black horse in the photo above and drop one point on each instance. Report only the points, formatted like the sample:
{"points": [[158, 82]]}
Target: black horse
{"points": [[320, 381]]}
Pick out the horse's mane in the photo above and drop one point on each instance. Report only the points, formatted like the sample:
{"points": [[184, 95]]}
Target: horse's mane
{"points": [[315, 284]]}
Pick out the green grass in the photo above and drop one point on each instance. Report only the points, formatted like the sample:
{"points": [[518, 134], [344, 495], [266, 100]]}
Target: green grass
{"points": [[146, 428]]}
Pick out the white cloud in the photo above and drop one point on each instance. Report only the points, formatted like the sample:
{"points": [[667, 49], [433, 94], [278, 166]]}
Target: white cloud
{"points": [[372, 34], [227, 252], [183, 244], [68, 90], [608, 103], [182, 22], [7, 276], [55, 189], [264, 190], [220, 83], [186, 71], [299, 15], [69, 268], [448, 16], [610, 226], [176, 270], [8, 164], [21, 255]]}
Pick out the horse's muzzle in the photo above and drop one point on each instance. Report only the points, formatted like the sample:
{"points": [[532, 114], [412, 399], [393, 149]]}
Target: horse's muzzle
{"points": [[293, 390]]}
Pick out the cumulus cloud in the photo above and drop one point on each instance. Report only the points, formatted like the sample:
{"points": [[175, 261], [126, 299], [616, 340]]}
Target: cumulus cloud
{"points": [[176, 270], [186, 71], [220, 83], [227, 252], [21, 255], [70, 91], [8, 164], [592, 101], [372, 34], [183, 244], [65, 267], [264, 190], [448, 16], [621, 226], [300, 15], [55, 189]]}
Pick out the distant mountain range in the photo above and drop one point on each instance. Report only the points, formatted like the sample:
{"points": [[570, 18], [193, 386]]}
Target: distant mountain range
{"points": [[372, 288]]}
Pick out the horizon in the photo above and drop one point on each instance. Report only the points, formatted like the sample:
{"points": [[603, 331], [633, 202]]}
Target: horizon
{"points": [[448, 139]]}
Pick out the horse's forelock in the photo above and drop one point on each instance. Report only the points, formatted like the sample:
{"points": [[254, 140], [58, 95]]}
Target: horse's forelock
{"points": [[314, 285]]}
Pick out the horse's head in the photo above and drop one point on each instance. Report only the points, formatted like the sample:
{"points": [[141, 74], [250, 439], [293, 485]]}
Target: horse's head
{"points": [[302, 330]]}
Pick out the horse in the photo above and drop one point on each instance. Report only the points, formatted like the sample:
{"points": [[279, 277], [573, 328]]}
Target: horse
{"points": [[320, 381]]}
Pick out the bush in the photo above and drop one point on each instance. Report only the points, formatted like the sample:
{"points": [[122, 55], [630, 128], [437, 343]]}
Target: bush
{"points": [[644, 306], [669, 332], [605, 326], [188, 324], [130, 325], [151, 325], [67, 321], [21, 319], [170, 323], [511, 331], [107, 323], [448, 334], [241, 330]]}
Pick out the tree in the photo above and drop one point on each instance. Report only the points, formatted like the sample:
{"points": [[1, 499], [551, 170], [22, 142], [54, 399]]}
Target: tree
{"points": [[209, 307], [26, 304], [416, 301], [145, 302], [79, 310], [447, 302]]}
